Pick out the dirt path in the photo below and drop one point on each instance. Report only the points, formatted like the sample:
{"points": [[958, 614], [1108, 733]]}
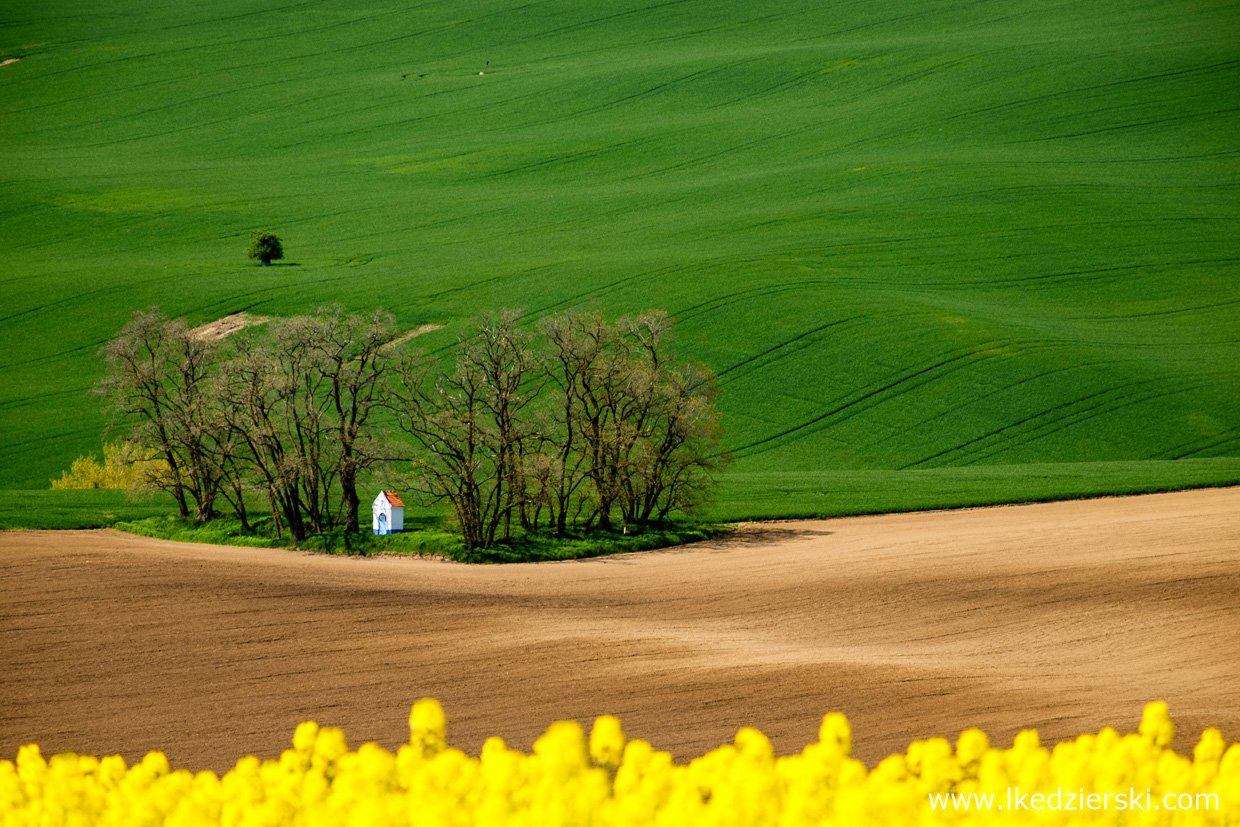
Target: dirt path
{"points": [[227, 326], [1064, 616]]}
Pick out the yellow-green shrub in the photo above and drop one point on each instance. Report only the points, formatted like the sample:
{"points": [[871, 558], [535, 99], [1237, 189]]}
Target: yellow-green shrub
{"points": [[125, 465]]}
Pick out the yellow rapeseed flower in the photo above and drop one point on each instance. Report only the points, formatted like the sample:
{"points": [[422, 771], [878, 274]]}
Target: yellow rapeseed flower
{"points": [[607, 741], [606, 782], [428, 727]]}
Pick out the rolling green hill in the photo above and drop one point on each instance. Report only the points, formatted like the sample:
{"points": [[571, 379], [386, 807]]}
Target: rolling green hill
{"points": [[908, 236]]}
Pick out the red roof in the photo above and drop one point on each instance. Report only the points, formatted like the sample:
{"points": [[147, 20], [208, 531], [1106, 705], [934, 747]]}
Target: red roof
{"points": [[393, 499]]}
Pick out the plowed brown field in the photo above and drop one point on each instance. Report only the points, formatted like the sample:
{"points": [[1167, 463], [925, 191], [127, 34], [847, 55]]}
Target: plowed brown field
{"points": [[1066, 616]]}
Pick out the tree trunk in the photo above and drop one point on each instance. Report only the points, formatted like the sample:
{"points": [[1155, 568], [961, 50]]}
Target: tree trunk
{"points": [[242, 514], [182, 507], [348, 487], [292, 516]]}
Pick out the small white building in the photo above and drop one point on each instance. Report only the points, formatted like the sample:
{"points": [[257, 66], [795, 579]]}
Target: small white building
{"points": [[387, 513]]}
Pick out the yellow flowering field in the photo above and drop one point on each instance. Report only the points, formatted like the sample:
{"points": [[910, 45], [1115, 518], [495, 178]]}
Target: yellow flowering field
{"points": [[604, 779]]}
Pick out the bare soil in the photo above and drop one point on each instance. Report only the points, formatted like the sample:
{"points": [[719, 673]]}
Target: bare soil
{"points": [[228, 325], [222, 328], [413, 334], [1066, 617]]}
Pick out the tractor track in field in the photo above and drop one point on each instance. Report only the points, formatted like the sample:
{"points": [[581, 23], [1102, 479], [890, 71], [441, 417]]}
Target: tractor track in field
{"points": [[889, 387], [1059, 419], [76, 298], [1028, 348], [714, 303], [1062, 94], [1123, 126], [1197, 447], [794, 346], [1034, 426], [1063, 616], [24, 364]]}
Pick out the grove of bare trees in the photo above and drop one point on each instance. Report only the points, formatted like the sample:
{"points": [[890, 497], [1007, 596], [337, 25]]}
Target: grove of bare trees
{"points": [[566, 425]]}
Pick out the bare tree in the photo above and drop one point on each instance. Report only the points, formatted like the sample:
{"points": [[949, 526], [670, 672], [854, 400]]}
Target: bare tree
{"points": [[502, 353], [268, 390], [249, 404], [672, 463], [233, 471], [586, 363], [629, 419], [472, 427], [155, 382], [354, 362], [574, 343], [670, 406]]}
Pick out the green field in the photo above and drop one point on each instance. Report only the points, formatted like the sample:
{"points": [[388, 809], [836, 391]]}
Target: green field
{"points": [[77, 509], [938, 253]]}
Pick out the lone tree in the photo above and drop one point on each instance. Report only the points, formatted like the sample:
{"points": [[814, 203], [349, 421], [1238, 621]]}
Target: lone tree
{"points": [[265, 246]]}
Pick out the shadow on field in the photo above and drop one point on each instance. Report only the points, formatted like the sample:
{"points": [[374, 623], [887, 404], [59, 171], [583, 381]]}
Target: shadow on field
{"points": [[761, 535]]}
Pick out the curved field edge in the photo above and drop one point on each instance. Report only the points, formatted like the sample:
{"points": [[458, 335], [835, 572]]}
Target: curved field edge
{"points": [[151, 515], [429, 538], [748, 496], [794, 495]]}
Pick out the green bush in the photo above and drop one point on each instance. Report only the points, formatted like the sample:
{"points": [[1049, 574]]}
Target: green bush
{"points": [[265, 246]]}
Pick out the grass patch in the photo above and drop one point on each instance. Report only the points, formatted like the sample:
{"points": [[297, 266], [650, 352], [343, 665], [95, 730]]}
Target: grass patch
{"points": [[428, 537], [88, 508], [825, 494], [425, 536], [223, 531], [541, 547]]}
